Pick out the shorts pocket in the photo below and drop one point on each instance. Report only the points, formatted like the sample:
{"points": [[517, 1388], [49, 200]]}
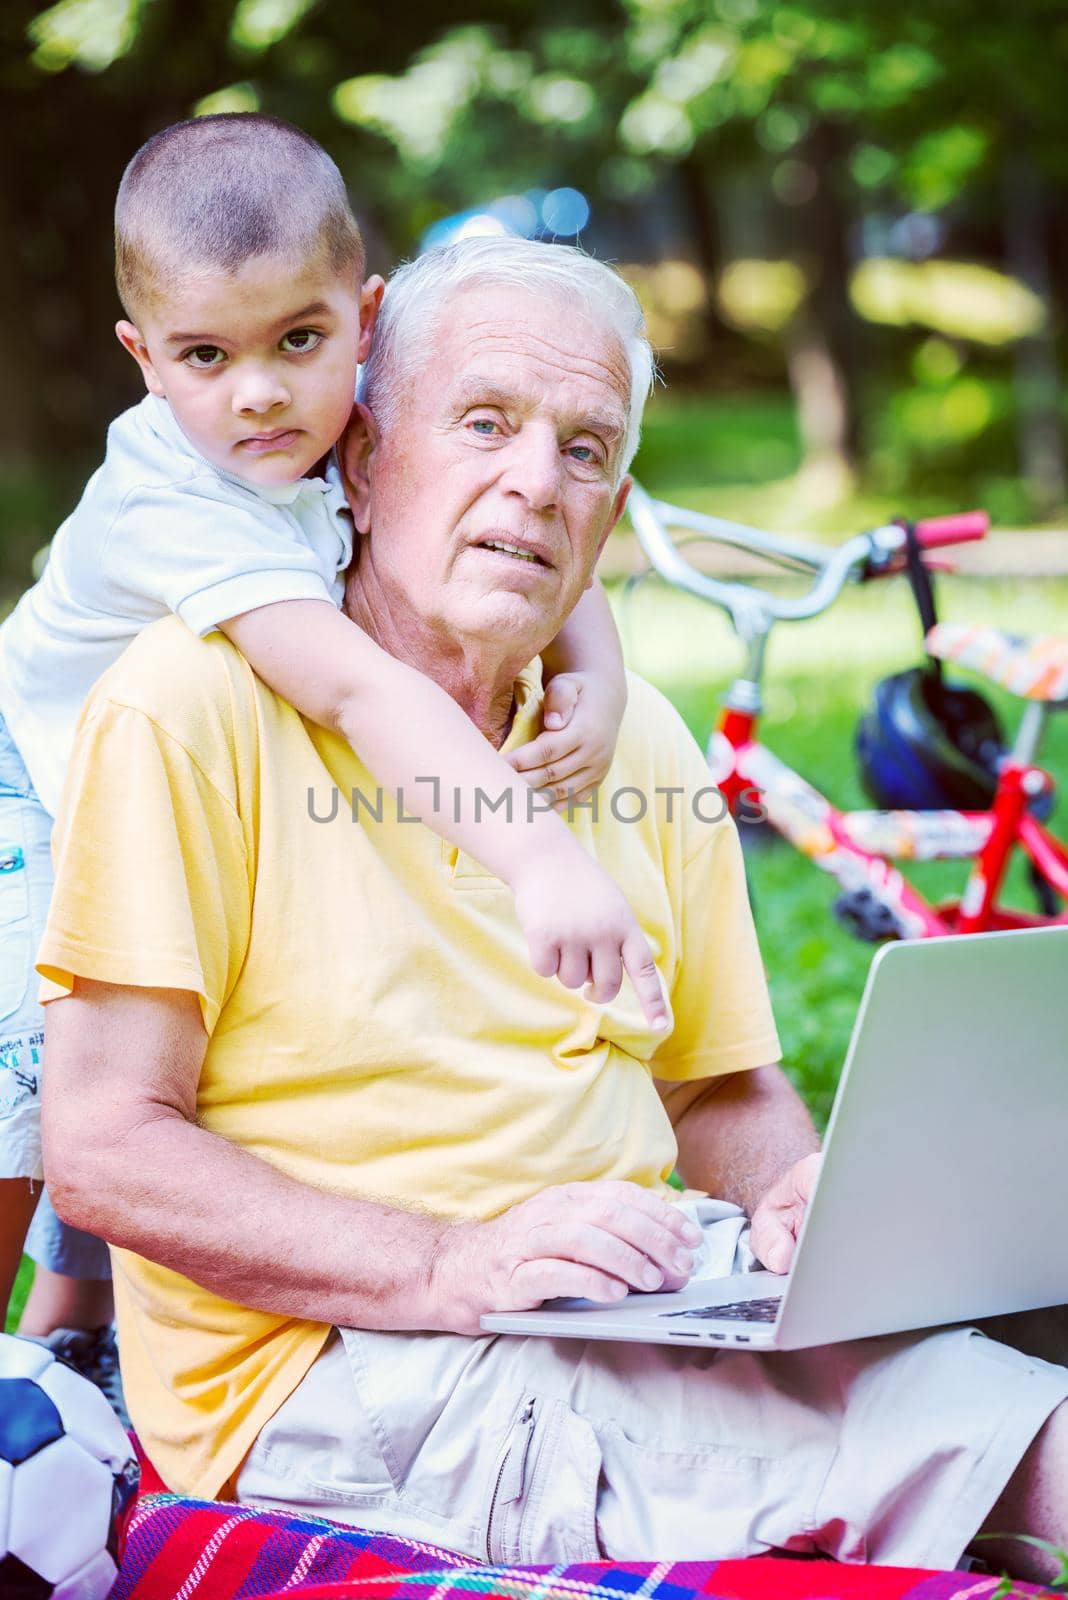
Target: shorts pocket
{"points": [[698, 1501], [14, 909], [543, 1508], [321, 1440]]}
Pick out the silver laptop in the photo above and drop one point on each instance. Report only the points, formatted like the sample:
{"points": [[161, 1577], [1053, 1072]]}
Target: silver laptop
{"points": [[943, 1195]]}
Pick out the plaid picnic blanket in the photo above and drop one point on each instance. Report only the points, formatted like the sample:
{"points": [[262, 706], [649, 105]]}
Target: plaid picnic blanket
{"points": [[181, 1549]]}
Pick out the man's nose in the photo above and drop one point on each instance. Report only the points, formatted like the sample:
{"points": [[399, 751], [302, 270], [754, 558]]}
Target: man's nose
{"points": [[257, 391], [535, 468]]}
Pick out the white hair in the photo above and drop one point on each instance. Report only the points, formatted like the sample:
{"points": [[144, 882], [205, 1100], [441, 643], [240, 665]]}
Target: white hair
{"points": [[411, 310]]}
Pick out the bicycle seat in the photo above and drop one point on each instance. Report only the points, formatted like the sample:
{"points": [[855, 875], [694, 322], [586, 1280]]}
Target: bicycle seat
{"points": [[1036, 668]]}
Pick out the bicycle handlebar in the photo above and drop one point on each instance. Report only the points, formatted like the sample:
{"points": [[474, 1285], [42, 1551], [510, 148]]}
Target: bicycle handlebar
{"points": [[961, 528], [753, 609]]}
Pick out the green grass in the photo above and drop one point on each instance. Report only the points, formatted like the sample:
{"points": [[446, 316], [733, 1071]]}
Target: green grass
{"points": [[820, 674], [19, 1293]]}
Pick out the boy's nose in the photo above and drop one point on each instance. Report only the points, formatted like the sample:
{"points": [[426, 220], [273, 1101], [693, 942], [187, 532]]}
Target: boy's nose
{"points": [[257, 393]]}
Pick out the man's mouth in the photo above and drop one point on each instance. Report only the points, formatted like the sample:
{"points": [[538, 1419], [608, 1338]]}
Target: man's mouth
{"points": [[519, 552]]}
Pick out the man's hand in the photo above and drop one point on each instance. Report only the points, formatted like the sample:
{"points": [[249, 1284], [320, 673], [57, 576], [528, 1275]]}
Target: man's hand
{"points": [[581, 930], [595, 1240], [581, 719], [778, 1217]]}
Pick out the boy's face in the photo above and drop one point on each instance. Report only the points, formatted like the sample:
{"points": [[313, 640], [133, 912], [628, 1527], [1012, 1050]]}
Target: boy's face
{"points": [[258, 366]]}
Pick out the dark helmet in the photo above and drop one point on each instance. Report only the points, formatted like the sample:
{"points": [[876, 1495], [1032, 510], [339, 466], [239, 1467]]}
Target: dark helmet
{"points": [[925, 745]]}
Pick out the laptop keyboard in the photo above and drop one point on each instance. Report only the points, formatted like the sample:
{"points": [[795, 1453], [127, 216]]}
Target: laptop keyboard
{"points": [[736, 1311]]}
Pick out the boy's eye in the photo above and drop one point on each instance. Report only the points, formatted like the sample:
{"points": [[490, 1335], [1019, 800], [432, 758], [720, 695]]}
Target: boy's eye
{"points": [[301, 340], [204, 356]]}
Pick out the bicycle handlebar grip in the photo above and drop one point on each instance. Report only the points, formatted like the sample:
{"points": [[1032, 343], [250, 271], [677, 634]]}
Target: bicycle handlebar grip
{"points": [[960, 528]]}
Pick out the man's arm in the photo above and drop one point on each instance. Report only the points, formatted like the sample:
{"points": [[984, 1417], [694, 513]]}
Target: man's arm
{"points": [[127, 1160], [748, 1137]]}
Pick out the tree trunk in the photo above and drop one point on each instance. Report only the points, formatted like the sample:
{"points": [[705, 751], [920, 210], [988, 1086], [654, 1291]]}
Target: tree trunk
{"points": [[1037, 380], [704, 231], [822, 341]]}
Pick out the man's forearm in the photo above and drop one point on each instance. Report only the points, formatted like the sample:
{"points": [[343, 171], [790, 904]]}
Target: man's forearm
{"points": [[127, 1159], [737, 1138], [191, 1201]]}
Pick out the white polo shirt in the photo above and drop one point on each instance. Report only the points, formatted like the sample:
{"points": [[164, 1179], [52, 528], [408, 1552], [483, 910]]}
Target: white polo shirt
{"points": [[157, 530]]}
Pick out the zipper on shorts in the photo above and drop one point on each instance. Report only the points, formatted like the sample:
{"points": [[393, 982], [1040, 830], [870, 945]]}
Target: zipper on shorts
{"points": [[512, 1470]]}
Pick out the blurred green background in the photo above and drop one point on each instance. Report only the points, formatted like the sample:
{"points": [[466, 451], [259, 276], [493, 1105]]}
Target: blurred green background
{"points": [[848, 223]]}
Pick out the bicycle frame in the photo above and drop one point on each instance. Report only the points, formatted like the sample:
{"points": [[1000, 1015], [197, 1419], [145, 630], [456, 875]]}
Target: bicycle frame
{"points": [[859, 848]]}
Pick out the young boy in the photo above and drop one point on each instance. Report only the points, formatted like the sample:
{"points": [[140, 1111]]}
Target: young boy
{"points": [[240, 268]]}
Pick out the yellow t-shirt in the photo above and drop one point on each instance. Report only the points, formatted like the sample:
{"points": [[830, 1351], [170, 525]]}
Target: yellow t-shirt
{"points": [[375, 1027]]}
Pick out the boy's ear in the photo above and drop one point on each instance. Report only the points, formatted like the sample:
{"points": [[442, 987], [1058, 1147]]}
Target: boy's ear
{"points": [[354, 451], [130, 339], [370, 300]]}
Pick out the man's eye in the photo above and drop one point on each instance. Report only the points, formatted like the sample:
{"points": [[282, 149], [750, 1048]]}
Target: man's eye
{"points": [[584, 453], [204, 356], [484, 425], [301, 340]]}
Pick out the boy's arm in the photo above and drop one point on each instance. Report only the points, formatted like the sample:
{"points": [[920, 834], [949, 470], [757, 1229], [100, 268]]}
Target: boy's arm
{"points": [[414, 737], [585, 698], [589, 642]]}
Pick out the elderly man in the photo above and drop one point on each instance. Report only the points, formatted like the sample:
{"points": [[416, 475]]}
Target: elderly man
{"points": [[301, 1075]]}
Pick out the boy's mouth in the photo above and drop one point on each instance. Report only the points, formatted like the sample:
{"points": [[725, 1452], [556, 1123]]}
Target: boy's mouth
{"points": [[275, 439]]}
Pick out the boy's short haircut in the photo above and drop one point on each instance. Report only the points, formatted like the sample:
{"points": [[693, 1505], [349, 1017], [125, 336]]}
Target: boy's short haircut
{"points": [[217, 191]]}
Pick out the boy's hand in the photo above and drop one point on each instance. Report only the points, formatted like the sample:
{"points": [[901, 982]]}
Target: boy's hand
{"points": [[581, 930], [581, 718]]}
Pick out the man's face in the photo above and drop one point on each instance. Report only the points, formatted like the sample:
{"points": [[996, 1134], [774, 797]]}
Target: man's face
{"points": [[496, 484], [258, 366]]}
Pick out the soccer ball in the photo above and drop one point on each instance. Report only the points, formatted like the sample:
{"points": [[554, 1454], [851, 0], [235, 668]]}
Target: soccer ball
{"points": [[67, 1479]]}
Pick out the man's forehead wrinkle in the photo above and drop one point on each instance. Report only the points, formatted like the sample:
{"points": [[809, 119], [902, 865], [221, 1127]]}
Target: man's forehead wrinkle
{"points": [[496, 336]]}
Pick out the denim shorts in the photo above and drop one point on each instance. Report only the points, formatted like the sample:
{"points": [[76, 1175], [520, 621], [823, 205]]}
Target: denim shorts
{"points": [[25, 890]]}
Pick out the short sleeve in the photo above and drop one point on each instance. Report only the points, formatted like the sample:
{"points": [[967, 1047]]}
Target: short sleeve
{"points": [[720, 1001], [152, 874], [195, 550]]}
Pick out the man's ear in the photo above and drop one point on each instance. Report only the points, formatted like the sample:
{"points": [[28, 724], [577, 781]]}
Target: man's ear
{"points": [[370, 300], [130, 339], [618, 507], [354, 451]]}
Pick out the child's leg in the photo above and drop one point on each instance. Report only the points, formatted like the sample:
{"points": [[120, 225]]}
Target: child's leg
{"points": [[72, 1313], [56, 1301], [72, 1283], [17, 1201], [25, 887]]}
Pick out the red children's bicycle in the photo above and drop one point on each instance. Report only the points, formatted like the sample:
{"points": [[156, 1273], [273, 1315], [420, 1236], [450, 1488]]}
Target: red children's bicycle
{"points": [[999, 797]]}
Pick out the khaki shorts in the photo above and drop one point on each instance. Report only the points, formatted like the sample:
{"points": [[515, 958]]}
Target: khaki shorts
{"points": [[515, 1450]]}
